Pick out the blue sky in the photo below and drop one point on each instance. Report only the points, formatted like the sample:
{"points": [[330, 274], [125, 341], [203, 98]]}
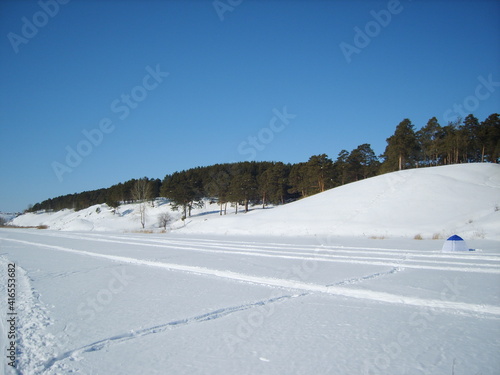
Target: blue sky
{"points": [[180, 84]]}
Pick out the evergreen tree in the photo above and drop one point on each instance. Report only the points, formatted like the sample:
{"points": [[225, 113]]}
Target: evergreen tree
{"points": [[341, 167], [363, 163], [279, 182], [273, 184], [428, 138], [243, 186], [242, 189], [155, 189], [469, 139], [402, 147], [451, 140], [265, 186], [216, 185], [183, 190], [299, 180], [447, 144], [489, 139], [112, 203], [371, 162], [320, 171]]}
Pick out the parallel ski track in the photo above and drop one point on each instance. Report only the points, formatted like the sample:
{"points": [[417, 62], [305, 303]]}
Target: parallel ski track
{"points": [[242, 245], [440, 262], [337, 290]]}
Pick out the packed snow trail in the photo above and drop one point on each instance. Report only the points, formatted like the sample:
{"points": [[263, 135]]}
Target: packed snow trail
{"points": [[291, 284]]}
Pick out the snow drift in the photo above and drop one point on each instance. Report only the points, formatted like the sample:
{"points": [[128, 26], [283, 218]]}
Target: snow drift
{"points": [[418, 203]]}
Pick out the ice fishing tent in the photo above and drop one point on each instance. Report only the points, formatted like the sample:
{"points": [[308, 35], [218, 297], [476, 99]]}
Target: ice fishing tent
{"points": [[455, 243]]}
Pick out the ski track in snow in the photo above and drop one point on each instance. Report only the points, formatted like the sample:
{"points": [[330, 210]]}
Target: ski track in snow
{"points": [[242, 245], [357, 280], [131, 335], [34, 360], [337, 290], [322, 254], [219, 313]]}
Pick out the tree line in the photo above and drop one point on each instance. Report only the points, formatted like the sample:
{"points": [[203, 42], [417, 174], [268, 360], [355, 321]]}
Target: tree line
{"points": [[249, 183], [461, 141]]}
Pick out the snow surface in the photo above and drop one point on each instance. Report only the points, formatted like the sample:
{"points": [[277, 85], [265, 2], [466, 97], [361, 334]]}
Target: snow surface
{"points": [[428, 202], [115, 303], [274, 291]]}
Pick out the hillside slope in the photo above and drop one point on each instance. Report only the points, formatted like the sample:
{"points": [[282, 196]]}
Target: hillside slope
{"points": [[430, 202], [436, 201]]}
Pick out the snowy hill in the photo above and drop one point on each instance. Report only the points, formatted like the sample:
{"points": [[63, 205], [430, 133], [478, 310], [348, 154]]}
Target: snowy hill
{"points": [[429, 203], [228, 304]]}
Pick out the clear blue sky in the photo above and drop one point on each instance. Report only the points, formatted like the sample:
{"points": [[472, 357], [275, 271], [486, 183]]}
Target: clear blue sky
{"points": [[67, 68]]}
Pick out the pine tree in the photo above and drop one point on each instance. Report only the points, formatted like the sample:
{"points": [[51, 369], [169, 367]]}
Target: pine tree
{"points": [[243, 188], [428, 139], [299, 180], [320, 171], [184, 191], [273, 184], [279, 181], [363, 162], [468, 142], [217, 185], [402, 147], [155, 189], [341, 167], [489, 139]]}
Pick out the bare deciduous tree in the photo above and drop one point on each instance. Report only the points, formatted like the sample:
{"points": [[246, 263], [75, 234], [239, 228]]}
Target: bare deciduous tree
{"points": [[141, 192], [164, 219]]}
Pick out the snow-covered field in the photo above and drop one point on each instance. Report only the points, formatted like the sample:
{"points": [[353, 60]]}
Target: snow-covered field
{"points": [[102, 303], [312, 287]]}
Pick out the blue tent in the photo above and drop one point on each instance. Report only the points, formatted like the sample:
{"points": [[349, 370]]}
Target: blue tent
{"points": [[455, 243]]}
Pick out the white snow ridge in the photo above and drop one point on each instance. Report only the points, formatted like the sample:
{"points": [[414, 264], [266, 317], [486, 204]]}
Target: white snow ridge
{"points": [[333, 284]]}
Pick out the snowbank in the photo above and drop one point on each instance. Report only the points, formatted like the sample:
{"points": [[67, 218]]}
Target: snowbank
{"points": [[428, 203]]}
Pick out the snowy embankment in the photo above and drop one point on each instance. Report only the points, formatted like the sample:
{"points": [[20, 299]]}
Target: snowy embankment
{"points": [[428, 203]]}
